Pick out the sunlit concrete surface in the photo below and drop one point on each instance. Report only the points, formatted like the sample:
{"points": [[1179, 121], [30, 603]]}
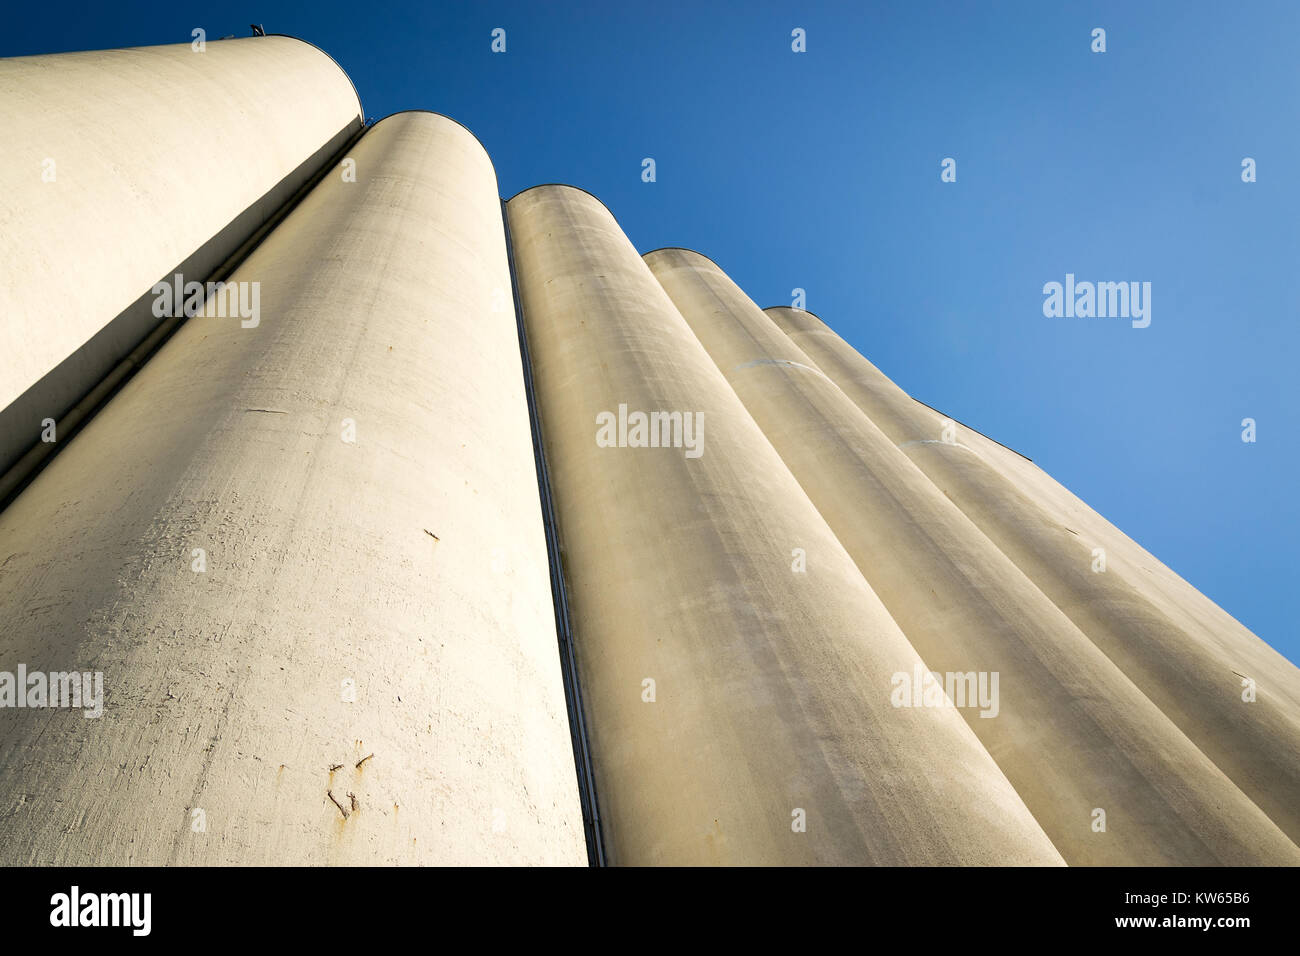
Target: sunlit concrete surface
{"points": [[770, 687], [307, 550], [1187, 655], [357, 471], [119, 168], [1069, 729]]}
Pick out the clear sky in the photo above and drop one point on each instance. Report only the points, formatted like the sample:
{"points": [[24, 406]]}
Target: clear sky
{"points": [[821, 170]]}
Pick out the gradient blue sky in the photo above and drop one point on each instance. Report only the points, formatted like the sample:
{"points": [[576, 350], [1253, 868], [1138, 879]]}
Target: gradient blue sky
{"points": [[821, 170]]}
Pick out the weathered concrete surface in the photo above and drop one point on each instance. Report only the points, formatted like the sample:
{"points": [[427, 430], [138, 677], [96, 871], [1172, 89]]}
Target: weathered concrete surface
{"points": [[1069, 730], [771, 687], [410, 561], [1184, 652], [164, 161]]}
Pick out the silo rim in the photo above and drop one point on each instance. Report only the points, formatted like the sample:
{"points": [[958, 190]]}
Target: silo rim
{"points": [[793, 309], [450, 119], [566, 186], [361, 110], [685, 249]]}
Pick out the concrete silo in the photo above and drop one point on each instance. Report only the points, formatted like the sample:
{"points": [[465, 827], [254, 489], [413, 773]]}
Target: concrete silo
{"points": [[1182, 651], [121, 168], [302, 559], [1071, 732], [307, 557], [739, 707]]}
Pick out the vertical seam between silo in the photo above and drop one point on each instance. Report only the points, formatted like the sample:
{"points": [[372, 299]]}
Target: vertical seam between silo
{"points": [[559, 591], [25, 469]]}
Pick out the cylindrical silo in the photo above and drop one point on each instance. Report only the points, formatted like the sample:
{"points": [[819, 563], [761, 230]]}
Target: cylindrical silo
{"points": [[306, 555], [1070, 731], [1234, 696], [122, 168], [735, 665]]}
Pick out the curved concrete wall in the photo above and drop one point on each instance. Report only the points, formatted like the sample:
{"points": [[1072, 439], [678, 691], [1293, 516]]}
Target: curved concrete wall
{"points": [[1069, 730], [1181, 650], [410, 561], [164, 161], [771, 688]]}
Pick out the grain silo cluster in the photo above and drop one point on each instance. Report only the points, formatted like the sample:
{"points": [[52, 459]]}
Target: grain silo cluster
{"points": [[404, 525]]}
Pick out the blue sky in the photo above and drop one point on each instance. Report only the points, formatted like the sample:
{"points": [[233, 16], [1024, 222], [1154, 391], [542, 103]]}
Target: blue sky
{"points": [[821, 171]]}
